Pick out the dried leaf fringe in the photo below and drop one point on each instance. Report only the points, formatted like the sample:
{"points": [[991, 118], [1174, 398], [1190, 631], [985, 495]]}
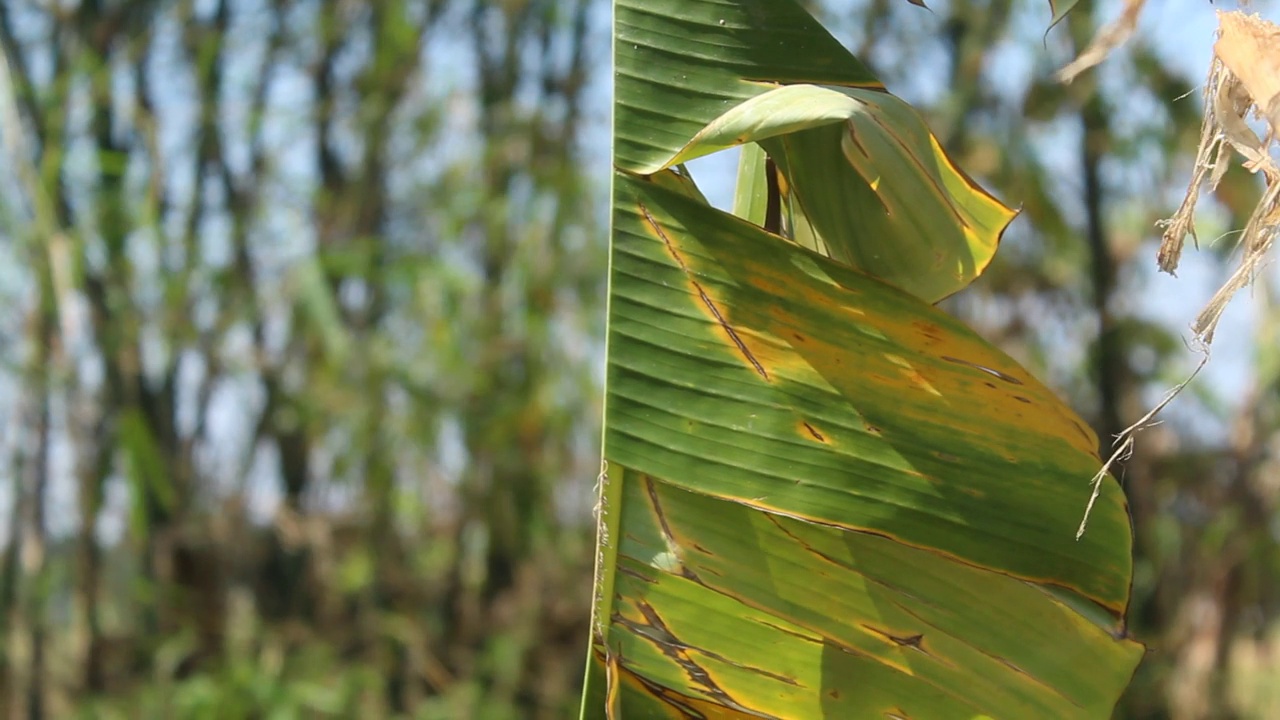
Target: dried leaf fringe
{"points": [[1243, 82], [1109, 37]]}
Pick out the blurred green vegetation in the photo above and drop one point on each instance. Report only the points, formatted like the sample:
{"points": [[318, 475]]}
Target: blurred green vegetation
{"points": [[300, 375], [300, 363]]}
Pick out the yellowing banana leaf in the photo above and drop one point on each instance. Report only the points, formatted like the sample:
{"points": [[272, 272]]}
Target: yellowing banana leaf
{"points": [[766, 72], [823, 497], [680, 64], [750, 199], [826, 498], [883, 196]]}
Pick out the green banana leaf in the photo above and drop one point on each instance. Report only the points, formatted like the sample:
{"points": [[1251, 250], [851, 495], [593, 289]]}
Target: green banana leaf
{"points": [[695, 77], [1060, 9], [823, 497]]}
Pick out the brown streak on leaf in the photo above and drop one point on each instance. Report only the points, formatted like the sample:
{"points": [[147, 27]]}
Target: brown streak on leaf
{"points": [[792, 633], [612, 684], [635, 574], [990, 371], [1084, 432], [784, 679], [914, 642], [772, 513], [706, 299], [670, 645], [816, 435], [844, 566], [1047, 686], [926, 172], [668, 696], [665, 527], [853, 138]]}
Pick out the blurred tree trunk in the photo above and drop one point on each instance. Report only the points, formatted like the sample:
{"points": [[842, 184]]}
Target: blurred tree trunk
{"points": [[202, 162], [92, 467], [28, 635]]}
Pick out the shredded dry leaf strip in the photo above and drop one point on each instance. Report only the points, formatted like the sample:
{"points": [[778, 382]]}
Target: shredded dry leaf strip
{"points": [[1124, 442], [1212, 157], [1249, 47], [1109, 37], [1243, 82]]}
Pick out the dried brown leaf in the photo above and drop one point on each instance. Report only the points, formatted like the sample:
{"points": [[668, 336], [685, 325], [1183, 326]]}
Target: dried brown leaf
{"points": [[1109, 37], [1250, 48], [1243, 81]]}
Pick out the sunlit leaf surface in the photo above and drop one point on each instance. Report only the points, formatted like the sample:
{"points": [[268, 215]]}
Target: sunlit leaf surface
{"points": [[697, 77], [825, 498]]}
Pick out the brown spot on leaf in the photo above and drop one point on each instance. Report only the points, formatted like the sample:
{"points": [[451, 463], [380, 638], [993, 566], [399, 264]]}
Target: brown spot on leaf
{"points": [[814, 432], [928, 331], [915, 641], [990, 371], [911, 641]]}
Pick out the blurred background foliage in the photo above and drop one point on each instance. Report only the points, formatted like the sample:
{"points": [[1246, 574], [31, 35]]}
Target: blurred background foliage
{"points": [[301, 359], [304, 305]]}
